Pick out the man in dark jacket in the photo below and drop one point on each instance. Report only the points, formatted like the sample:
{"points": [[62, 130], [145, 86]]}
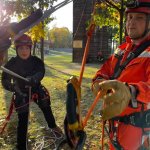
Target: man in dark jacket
{"points": [[31, 68]]}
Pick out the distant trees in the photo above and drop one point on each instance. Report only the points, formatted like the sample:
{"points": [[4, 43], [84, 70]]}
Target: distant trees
{"points": [[60, 37]]}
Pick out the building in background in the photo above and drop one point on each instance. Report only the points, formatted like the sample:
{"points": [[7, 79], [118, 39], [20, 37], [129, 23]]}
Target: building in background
{"points": [[101, 39]]}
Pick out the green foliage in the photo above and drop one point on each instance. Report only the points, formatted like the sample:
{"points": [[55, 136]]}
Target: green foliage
{"points": [[106, 17], [111, 13], [60, 37], [37, 32]]}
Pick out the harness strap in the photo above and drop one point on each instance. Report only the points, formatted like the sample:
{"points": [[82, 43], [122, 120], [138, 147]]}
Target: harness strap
{"points": [[119, 57], [114, 142], [138, 119], [35, 96], [119, 68], [11, 108]]}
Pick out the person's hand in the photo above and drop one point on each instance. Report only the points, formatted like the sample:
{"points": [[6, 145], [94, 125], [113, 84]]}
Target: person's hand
{"points": [[17, 89], [95, 86], [115, 101], [31, 80]]}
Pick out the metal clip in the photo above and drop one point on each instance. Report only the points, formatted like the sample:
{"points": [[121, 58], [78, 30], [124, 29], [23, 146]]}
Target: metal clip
{"points": [[132, 120], [148, 118]]}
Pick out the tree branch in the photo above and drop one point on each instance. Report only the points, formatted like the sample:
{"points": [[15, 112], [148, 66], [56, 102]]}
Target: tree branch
{"points": [[110, 4]]}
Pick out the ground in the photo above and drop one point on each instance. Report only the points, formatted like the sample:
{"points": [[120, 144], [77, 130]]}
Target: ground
{"points": [[59, 68]]}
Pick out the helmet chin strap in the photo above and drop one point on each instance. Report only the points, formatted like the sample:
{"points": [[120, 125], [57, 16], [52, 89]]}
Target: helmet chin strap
{"points": [[143, 35]]}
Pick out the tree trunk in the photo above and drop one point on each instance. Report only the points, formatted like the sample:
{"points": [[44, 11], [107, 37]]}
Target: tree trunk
{"points": [[121, 22], [42, 44], [3, 57], [34, 46], [42, 49]]}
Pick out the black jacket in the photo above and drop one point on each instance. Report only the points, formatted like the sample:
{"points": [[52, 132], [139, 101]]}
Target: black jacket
{"points": [[32, 67]]}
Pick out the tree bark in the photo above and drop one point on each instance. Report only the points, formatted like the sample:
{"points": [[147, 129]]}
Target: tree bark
{"points": [[121, 22], [34, 46], [42, 49], [42, 44]]}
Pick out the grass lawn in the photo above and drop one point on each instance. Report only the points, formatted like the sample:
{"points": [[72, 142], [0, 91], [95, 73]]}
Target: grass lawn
{"points": [[59, 68]]}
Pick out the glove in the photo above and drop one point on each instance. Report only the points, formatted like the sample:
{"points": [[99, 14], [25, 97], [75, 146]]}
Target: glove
{"points": [[31, 80], [95, 86], [115, 101], [17, 90]]}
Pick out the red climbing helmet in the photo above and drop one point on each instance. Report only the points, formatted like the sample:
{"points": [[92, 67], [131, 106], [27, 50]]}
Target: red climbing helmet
{"points": [[142, 6], [23, 40]]}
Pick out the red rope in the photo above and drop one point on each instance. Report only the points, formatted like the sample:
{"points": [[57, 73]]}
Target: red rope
{"points": [[89, 36], [103, 131], [11, 108]]}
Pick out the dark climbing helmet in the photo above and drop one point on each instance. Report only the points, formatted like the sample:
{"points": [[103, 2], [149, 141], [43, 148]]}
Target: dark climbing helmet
{"points": [[24, 40], [138, 6]]}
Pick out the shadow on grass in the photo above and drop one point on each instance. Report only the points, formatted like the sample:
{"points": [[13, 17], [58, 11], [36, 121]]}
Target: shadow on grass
{"points": [[63, 74]]}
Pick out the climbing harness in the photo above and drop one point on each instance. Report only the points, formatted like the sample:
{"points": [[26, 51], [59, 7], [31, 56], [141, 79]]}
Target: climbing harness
{"points": [[43, 142], [119, 68], [138, 119], [34, 97]]}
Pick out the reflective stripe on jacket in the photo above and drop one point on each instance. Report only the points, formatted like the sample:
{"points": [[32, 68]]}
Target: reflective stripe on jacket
{"points": [[136, 73]]}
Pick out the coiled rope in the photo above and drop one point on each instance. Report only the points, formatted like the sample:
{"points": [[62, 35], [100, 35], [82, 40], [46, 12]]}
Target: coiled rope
{"points": [[48, 141]]}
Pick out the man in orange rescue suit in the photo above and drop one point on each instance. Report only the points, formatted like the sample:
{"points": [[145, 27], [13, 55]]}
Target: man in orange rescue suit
{"points": [[125, 80]]}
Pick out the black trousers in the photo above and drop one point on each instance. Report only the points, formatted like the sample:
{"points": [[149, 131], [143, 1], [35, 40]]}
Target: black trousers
{"points": [[23, 126], [42, 99]]}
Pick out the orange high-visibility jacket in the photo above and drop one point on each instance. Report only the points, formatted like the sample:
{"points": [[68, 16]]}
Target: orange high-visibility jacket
{"points": [[136, 73]]}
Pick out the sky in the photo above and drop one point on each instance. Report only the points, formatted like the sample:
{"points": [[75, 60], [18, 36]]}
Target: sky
{"points": [[63, 16]]}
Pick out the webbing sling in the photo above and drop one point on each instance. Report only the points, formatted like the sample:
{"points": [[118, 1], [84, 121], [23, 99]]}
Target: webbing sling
{"points": [[138, 119], [130, 57]]}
